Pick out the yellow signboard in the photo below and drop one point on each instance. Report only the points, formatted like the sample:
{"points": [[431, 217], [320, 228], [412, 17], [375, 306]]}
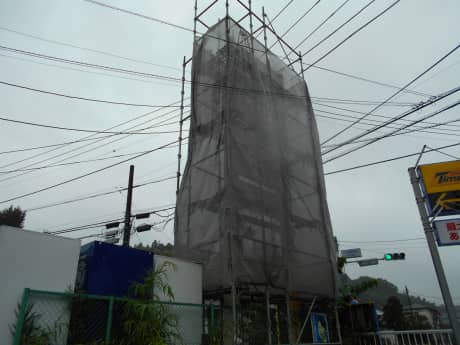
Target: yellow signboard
{"points": [[441, 182], [441, 177]]}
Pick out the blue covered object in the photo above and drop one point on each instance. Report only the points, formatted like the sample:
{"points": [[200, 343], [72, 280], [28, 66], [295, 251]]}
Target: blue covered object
{"points": [[107, 269]]}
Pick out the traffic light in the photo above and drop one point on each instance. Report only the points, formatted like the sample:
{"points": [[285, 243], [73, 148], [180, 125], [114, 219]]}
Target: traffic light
{"points": [[394, 256]]}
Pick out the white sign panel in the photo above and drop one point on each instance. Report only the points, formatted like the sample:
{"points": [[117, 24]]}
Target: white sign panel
{"points": [[351, 253], [447, 232]]}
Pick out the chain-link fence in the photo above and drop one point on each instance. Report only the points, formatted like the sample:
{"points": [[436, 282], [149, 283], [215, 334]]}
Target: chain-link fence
{"points": [[52, 318]]}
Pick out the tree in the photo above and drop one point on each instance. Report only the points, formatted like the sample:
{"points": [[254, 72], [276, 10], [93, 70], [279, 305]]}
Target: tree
{"points": [[393, 317], [13, 216], [417, 321]]}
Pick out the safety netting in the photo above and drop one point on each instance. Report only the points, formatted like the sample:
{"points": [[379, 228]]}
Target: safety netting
{"points": [[252, 202]]}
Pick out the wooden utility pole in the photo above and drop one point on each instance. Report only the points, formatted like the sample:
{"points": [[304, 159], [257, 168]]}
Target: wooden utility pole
{"points": [[129, 199]]}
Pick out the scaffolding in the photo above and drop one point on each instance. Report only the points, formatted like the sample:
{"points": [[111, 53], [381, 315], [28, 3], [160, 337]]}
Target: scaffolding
{"points": [[251, 204]]}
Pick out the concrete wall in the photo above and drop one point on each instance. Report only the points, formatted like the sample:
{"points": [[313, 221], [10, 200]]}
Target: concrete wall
{"points": [[186, 281], [38, 261]]}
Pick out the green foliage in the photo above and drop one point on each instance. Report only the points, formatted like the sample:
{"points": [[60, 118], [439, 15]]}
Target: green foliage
{"points": [[356, 289], [157, 248], [341, 261], [12, 216], [32, 332], [393, 317], [147, 321]]}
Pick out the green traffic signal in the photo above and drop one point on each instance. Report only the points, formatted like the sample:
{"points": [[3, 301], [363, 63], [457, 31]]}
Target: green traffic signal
{"points": [[394, 256], [388, 257]]}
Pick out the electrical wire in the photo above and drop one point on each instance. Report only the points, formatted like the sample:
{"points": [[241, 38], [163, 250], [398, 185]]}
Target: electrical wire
{"points": [[381, 116], [386, 241], [282, 10], [86, 49], [87, 137], [51, 145], [351, 35], [85, 98], [96, 195], [388, 160], [390, 97], [338, 28], [78, 148], [371, 81], [73, 163], [409, 131], [424, 129], [451, 106], [82, 130], [297, 21], [149, 81], [87, 174], [98, 224], [321, 24]]}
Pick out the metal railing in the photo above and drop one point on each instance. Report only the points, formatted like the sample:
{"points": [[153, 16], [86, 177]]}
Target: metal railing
{"points": [[414, 337], [55, 318]]}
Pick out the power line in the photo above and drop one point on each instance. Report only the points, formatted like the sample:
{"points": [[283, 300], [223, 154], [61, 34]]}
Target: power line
{"points": [[389, 160], [81, 130], [347, 118], [98, 195], [86, 49], [339, 28], [282, 10], [87, 174], [74, 141], [360, 102], [161, 21], [80, 147], [298, 21], [417, 129], [386, 241], [370, 81], [88, 137], [321, 24], [98, 224], [85, 98], [73, 163], [175, 79], [451, 106], [351, 35], [389, 98], [381, 116], [52, 145], [86, 71]]}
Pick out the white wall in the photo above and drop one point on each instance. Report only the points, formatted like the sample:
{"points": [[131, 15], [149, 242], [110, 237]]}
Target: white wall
{"points": [[186, 281], [38, 261]]}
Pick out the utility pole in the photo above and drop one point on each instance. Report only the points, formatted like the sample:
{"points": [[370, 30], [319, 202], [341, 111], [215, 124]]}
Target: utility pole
{"points": [[447, 297], [129, 199], [409, 301]]}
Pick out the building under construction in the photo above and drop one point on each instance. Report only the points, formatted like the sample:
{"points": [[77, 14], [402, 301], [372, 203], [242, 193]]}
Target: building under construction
{"points": [[252, 202]]}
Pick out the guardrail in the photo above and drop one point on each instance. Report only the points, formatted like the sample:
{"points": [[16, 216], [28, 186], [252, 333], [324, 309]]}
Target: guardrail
{"points": [[414, 337]]}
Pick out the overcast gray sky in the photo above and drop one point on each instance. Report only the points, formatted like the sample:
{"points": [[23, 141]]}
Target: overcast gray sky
{"points": [[374, 203]]}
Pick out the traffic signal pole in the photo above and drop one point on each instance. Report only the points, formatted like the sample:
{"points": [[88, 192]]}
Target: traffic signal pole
{"points": [[129, 200], [447, 297]]}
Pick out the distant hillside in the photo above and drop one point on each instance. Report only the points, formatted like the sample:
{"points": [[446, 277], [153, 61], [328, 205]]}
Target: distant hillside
{"points": [[383, 291]]}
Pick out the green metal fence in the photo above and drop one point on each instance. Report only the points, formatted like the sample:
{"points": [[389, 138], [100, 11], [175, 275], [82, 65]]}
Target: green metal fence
{"points": [[54, 318]]}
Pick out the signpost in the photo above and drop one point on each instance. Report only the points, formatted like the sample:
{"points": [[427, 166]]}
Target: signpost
{"points": [[351, 253], [368, 262], [447, 232], [441, 186], [437, 193]]}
